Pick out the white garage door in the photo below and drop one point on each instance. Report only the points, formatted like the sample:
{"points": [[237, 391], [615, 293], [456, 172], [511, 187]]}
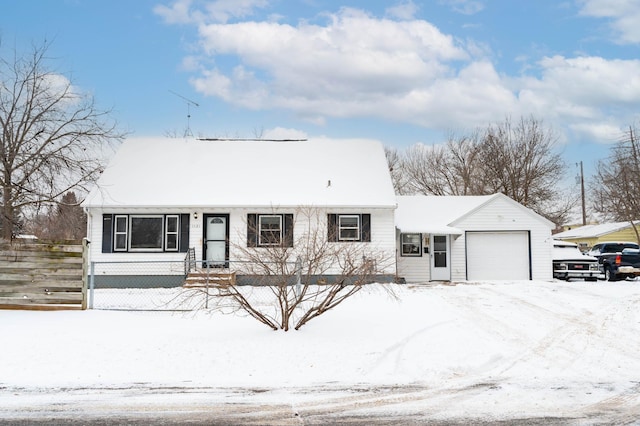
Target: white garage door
{"points": [[498, 255]]}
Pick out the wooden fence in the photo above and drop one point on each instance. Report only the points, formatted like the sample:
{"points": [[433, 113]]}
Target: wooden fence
{"points": [[42, 276]]}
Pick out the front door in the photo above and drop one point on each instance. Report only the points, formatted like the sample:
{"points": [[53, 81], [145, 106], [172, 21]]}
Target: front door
{"points": [[440, 258], [216, 243]]}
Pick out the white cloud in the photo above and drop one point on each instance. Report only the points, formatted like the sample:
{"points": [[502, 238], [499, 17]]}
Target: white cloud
{"points": [[404, 11], [213, 83], [349, 67], [199, 11], [178, 13], [592, 96], [624, 16], [357, 65], [224, 10], [604, 132], [465, 7]]}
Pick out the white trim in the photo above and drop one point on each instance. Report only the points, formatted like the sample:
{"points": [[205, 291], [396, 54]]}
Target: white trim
{"points": [[116, 233], [402, 244], [348, 228], [265, 244], [167, 232]]}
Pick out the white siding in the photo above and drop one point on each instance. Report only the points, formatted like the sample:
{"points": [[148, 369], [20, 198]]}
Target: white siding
{"points": [[414, 269], [382, 233], [123, 263], [502, 214]]}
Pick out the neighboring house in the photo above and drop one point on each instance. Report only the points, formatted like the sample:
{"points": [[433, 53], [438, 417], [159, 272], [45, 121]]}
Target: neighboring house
{"points": [[589, 235], [453, 238], [160, 197]]}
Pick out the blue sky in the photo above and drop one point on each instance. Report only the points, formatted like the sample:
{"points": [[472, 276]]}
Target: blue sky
{"points": [[401, 72]]}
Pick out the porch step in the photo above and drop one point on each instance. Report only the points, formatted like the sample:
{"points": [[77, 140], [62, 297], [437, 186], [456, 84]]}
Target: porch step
{"points": [[200, 278]]}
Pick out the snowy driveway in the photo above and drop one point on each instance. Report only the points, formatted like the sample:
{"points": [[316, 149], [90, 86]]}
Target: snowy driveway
{"points": [[521, 352]]}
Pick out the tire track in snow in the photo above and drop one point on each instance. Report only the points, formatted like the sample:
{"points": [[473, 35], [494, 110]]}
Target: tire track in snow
{"points": [[623, 408]]}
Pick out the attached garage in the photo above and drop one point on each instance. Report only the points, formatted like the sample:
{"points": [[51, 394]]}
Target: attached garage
{"points": [[486, 237], [502, 255]]}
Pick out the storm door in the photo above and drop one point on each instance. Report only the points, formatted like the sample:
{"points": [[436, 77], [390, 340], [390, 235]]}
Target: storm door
{"points": [[216, 241], [440, 258]]}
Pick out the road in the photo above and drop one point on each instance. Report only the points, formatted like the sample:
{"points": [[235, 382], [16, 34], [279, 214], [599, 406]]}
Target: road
{"points": [[142, 405]]}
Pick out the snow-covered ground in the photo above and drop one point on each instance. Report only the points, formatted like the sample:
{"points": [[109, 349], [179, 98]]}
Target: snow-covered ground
{"points": [[490, 351]]}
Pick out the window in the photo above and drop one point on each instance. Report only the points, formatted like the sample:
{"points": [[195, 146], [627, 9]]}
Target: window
{"points": [[349, 227], [411, 244], [145, 233], [269, 230], [171, 234], [120, 233]]}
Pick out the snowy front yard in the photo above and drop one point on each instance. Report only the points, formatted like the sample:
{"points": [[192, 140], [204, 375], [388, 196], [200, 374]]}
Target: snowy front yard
{"points": [[493, 351]]}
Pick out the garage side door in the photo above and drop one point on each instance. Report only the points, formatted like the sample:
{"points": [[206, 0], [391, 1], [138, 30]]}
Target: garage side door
{"points": [[498, 255]]}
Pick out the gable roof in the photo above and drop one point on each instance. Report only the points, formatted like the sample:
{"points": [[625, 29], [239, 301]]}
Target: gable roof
{"points": [[240, 173], [439, 214], [434, 213], [593, 231]]}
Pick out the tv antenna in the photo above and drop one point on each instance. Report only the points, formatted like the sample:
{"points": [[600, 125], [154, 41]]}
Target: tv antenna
{"points": [[187, 131]]}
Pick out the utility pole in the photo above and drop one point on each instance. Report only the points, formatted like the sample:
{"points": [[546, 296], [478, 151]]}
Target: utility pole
{"points": [[584, 209]]}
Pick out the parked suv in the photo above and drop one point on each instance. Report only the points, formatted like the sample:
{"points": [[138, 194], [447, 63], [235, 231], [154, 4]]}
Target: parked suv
{"points": [[569, 262]]}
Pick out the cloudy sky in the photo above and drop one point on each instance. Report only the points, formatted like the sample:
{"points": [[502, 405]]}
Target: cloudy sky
{"points": [[401, 72]]}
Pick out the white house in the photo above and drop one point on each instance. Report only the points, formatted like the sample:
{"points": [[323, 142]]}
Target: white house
{"points": [[160, 197], [455, 238]]}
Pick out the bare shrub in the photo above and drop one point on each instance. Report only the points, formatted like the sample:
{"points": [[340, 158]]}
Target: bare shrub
{"points": [[289, 283]]}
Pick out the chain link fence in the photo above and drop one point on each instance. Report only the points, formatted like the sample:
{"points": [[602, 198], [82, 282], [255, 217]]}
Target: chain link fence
{"points": [[181, 285]]}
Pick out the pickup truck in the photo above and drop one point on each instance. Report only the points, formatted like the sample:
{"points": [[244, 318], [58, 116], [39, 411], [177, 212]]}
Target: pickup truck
{"points": [[610, 247], [618, 261], [569, 262]]}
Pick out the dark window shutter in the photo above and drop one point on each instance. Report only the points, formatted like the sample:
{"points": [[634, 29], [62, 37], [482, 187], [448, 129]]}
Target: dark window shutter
{"points": [[107, 233], [332, 227], [252, 230], [184, 232], [288, 230], [365, 227]]}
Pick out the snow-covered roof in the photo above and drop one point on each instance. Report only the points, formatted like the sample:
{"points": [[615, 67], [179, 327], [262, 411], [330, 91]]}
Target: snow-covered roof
{"points": [[592, 231], [439, 214], [434, 214], [237, 173]]}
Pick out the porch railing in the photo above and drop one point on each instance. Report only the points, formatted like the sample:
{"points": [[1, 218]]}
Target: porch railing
{"points": [[190, 261]]}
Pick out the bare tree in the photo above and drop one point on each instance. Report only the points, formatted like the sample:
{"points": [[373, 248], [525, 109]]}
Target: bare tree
{"points": [[51, 137], [396, 169], [520, 161], [615, 188], [64, 221], [450, 169], [517, 159], [293, 282]]}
